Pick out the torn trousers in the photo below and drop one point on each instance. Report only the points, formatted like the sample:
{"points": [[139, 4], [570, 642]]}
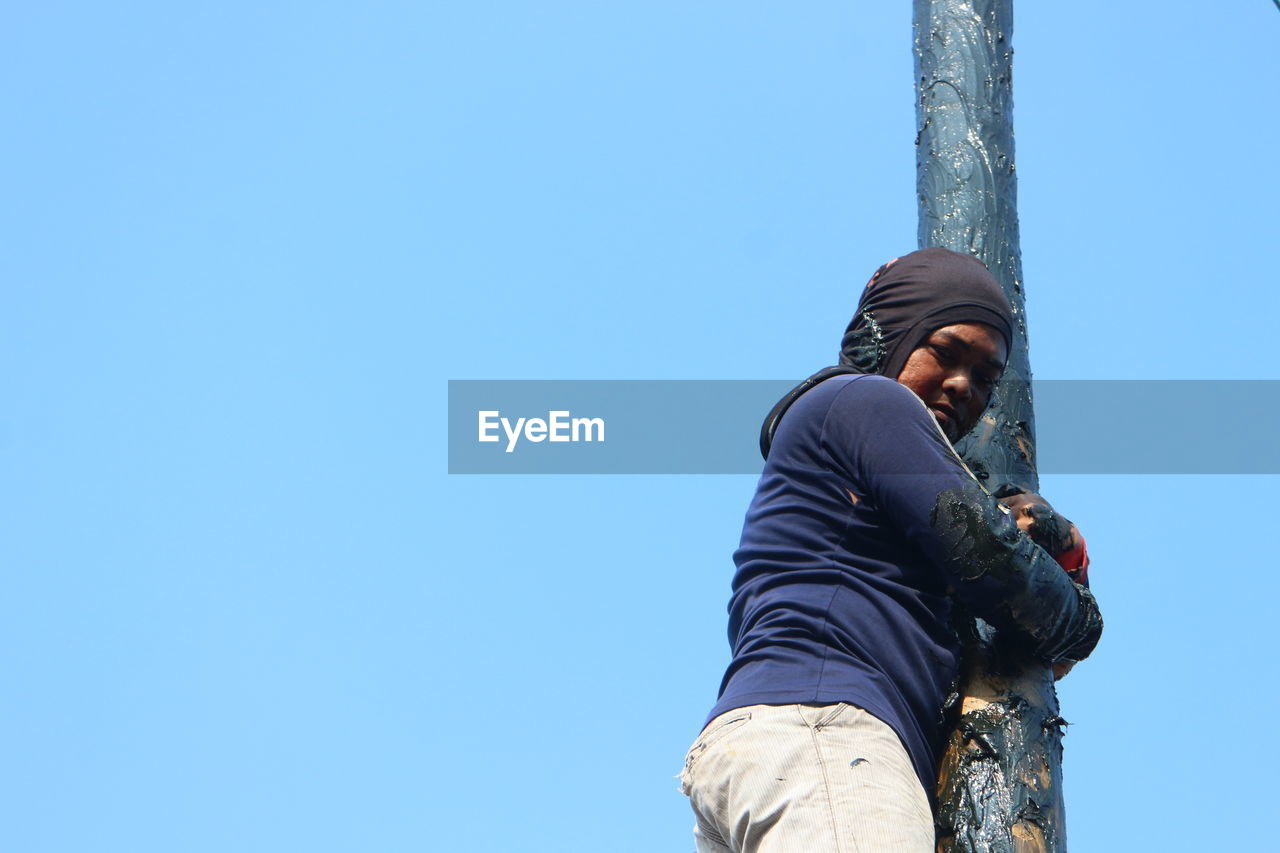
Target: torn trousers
{"points": [[804, 779]]}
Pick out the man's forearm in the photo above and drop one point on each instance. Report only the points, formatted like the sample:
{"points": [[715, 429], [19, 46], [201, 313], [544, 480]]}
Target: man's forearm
{"points": [[1005, 578]]}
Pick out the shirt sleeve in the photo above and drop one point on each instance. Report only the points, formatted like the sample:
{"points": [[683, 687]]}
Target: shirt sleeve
{"points": [[880, 435]]}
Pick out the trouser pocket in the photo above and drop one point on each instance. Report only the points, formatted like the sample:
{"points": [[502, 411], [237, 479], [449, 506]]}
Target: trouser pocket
{"points": [[716, 731]]}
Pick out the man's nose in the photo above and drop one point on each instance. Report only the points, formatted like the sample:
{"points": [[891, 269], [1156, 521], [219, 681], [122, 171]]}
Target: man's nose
{"points": [[958, 385]]}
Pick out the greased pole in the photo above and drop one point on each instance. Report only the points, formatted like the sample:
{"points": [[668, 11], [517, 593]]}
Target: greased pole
{"points": [[1000, 785]]}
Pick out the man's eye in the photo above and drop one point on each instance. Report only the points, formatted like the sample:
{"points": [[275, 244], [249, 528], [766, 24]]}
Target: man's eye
{"points": [[987, 382], [942, 353]]}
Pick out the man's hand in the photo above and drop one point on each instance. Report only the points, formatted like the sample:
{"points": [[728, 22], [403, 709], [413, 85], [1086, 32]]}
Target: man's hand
{"points": [[1052, 532], [1048, 529]]}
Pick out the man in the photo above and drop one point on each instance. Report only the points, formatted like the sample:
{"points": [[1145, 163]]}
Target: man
{"points": [[865, 525]]}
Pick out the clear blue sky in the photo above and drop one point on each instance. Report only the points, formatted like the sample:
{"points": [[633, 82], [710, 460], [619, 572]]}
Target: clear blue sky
{"points": [[246, 244]]}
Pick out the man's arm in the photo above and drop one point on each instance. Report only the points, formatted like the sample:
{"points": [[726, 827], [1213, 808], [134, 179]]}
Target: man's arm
{"points": [[1009, 580], [884, 438]]}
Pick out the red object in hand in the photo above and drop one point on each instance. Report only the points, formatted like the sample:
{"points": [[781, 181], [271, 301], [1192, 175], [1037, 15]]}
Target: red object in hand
{"points": [[1048, 529], [1075, 560]]}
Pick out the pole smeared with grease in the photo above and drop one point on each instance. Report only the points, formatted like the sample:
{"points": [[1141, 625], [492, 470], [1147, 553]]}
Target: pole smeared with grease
{"points": [[1000, 785]]}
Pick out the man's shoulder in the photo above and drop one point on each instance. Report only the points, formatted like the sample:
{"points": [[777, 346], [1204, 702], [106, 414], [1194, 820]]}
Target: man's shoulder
{"points": [[852, 409], [847, 407], [860, 390]]}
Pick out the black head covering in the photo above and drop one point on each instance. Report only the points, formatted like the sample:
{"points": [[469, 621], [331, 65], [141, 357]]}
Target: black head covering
{"points": [[913, 296], [907, 300]]}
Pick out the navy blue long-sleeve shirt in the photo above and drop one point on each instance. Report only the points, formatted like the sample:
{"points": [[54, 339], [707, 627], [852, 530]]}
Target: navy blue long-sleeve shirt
{"points": [[864, 525]]}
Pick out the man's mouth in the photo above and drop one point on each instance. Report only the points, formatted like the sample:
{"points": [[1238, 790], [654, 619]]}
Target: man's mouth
{"points": [[946, 417]]}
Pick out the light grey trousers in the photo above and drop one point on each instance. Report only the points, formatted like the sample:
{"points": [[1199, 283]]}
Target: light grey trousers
{"points": [[804, 779]]}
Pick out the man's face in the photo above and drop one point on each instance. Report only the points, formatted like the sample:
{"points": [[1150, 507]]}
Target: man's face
{"points": [[954, 371]]}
